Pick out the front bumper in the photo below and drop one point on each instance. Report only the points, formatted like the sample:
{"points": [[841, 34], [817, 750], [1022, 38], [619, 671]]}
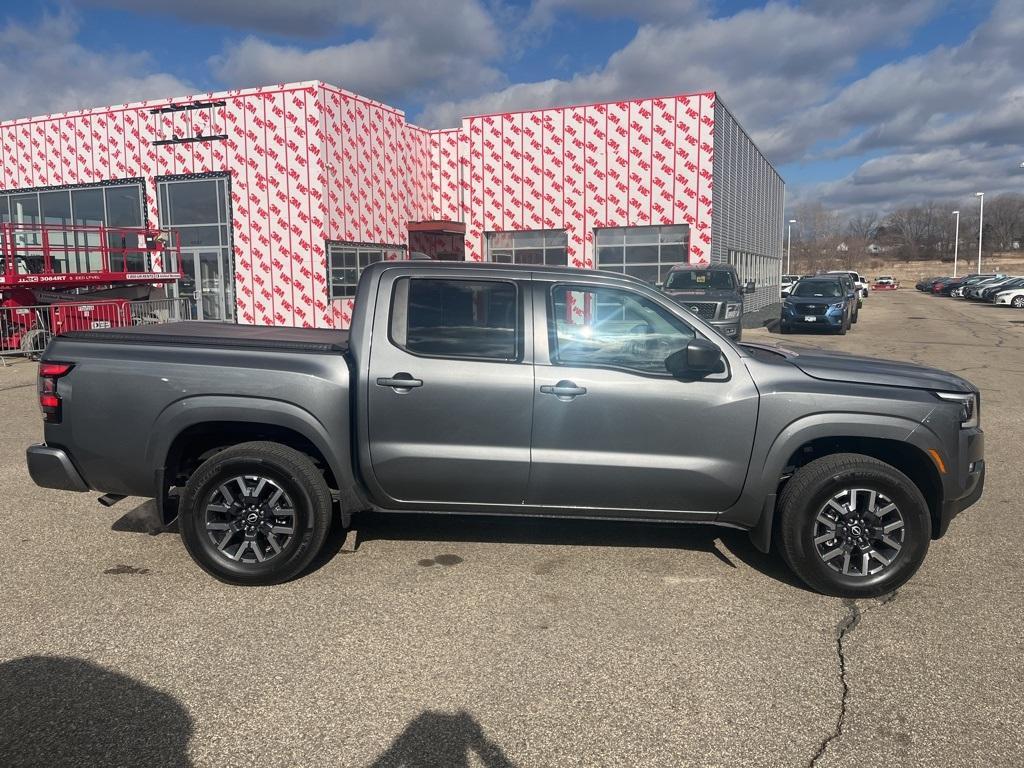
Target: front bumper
{"points": [[963, 487], [794, 318], [51, 467]]}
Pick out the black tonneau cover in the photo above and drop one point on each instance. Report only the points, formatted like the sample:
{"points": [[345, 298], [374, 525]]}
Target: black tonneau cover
{"points": [[223, 336]]}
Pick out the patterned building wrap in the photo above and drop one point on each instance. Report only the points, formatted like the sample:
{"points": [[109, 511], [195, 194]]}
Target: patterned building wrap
{"points": [[635, 163], [310, 163]]}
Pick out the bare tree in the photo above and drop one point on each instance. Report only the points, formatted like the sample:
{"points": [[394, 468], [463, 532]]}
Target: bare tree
{"points": [[917, 230], [1004, 222], [862, 226]]}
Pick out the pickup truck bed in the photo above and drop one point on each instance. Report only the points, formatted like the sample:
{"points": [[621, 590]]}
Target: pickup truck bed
{"points": [[201, 334]]}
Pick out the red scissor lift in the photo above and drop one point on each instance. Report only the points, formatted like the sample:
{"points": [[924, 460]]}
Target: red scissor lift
{"points": [[56, 278]]}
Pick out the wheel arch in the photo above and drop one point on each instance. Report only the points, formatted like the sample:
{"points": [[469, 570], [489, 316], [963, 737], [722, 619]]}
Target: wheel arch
{"points": [[902, 443], [192, 429]]}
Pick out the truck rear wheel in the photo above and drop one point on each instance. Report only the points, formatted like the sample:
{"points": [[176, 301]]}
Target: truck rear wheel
{"points": [[256, 513], [853, 526]]}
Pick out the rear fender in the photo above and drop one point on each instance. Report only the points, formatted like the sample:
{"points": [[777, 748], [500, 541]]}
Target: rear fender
{"points": [[195, 411]]}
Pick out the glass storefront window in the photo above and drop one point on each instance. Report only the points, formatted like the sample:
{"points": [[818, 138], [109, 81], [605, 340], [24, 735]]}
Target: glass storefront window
{"points": [[644, 252], [346, 262], [542, 246], [112, 205]]}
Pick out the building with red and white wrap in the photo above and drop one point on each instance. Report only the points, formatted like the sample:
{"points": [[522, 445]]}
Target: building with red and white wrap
{"points": [[282, 194]]}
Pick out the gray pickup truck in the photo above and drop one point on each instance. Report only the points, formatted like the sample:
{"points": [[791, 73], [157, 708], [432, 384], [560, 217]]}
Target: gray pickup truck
{"points": [[511, 390]]}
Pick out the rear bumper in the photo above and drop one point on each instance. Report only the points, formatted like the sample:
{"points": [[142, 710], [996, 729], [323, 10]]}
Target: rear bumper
{"points": [[963, 487], [52, 468]]}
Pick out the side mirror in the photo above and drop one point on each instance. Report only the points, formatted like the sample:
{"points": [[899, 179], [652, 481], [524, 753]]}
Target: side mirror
{"points": [[749, 287], [695, 361]]}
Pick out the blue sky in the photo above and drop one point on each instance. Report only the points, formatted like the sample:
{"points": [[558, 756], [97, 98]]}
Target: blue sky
{"points": [[861, 104]]}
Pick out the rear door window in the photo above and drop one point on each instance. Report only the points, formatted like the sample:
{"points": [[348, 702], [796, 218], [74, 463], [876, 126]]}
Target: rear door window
{"points": [[468, 319]]}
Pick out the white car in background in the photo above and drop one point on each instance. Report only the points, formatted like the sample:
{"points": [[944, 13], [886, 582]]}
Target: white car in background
{"points": [[1012, 298], [788, 281]]}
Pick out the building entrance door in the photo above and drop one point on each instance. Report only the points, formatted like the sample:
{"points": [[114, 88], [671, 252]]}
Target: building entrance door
{"points": [[207, 284], [197, 212]]}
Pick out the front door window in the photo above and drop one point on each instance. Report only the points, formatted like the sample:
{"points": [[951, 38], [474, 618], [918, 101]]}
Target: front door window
{"points": [[606, 327]]}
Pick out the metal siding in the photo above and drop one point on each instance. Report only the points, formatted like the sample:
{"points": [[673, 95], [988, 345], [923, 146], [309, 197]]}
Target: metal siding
{"points": [[748, 193]]}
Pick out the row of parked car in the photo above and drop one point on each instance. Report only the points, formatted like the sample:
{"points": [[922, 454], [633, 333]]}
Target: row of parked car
{"points": [[994, 288], [829, 301]]}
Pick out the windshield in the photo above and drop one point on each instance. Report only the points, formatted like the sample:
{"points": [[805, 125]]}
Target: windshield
{"points": [[824, 289], [700, 280]]}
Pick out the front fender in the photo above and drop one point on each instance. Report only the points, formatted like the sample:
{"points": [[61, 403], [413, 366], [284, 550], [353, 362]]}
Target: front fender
{"points": [[756, 506]]}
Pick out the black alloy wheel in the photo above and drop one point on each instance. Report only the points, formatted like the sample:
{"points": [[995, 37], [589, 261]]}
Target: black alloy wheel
{"points": [[852, 526], [256, 513]]}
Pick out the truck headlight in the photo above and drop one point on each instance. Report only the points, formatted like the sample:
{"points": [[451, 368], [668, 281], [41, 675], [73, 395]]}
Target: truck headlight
{"points": [[732, 311], [838, 305], [969, 415]]}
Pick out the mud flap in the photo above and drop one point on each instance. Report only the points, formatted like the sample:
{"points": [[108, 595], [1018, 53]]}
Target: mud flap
{"points": [[761, 534]]}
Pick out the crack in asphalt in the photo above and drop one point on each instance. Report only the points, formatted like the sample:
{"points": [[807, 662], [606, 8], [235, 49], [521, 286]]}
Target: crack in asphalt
{"points": [[846, 625]]}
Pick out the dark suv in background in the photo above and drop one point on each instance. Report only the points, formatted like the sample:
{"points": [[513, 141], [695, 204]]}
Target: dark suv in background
{"points": [[712, 292], [824, 302]]}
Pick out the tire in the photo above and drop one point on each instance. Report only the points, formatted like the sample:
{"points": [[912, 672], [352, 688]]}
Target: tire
{"points": [[783, 328], [808, 497], [855, 318], [261, 548], [1017, 302]]}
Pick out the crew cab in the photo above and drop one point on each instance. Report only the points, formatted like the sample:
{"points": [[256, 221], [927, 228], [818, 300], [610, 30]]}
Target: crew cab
{"points": [[510, 390]]}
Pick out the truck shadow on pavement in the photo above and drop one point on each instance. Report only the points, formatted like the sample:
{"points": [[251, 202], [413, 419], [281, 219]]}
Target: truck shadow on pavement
{"points": [[63, 711], [724, 544]]}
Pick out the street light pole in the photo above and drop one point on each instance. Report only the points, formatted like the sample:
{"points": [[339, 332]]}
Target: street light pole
{"points": [[956, 241], [981, 223], [789, 247]]}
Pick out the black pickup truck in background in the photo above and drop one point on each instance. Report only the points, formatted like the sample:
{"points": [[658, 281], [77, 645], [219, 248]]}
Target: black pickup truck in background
{"points": [[712, 292], [511, 390]]}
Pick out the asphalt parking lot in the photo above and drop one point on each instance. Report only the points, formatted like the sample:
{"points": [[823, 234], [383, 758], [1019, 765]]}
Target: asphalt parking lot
{"points": [[455, 642]]}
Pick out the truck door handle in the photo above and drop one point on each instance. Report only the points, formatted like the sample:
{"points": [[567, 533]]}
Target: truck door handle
{"points": [[401, 382], [564, 390]]}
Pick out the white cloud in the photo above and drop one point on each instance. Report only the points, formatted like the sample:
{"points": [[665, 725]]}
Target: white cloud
{"points": [[941, 123], [544, 12], [948, 121], [305, 18], [765, 62], [44, 69], [446, 46]]}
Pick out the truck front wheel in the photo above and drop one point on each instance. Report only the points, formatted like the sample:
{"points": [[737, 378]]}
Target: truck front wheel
{"points": [[256, 513], [852, 526]]}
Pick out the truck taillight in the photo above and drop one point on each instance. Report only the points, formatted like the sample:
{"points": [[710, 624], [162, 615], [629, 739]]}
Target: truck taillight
{"points": [[49, 400]]}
